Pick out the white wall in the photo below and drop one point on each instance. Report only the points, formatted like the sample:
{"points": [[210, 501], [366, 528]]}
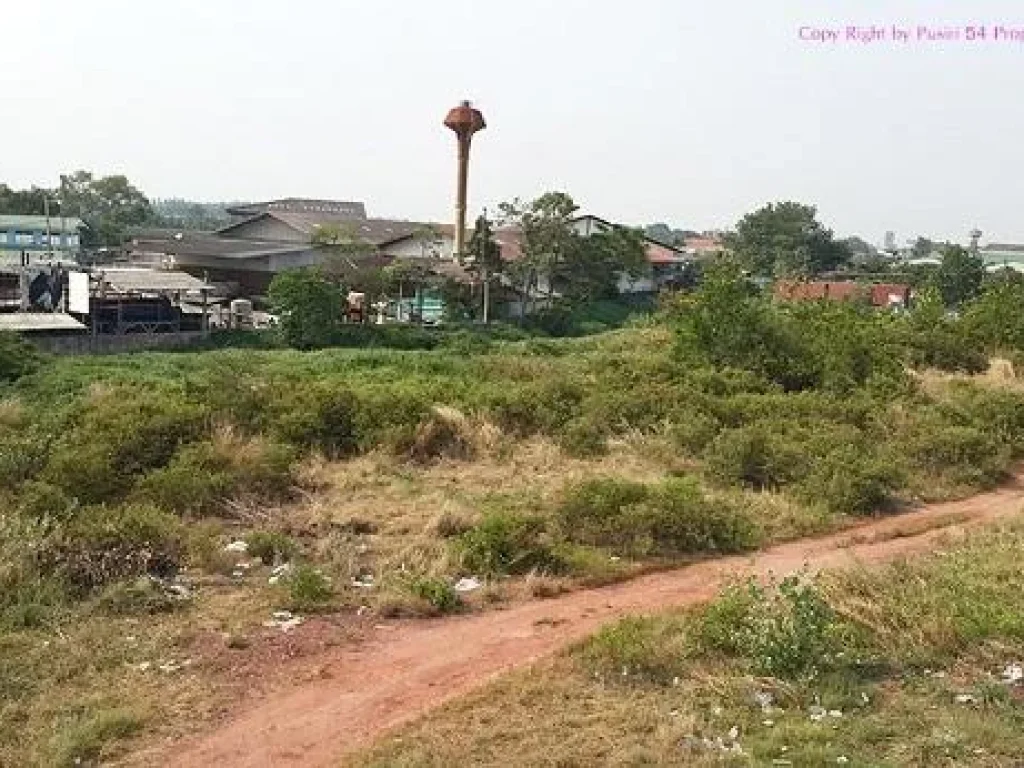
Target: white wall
{"points": [[413, 248]]}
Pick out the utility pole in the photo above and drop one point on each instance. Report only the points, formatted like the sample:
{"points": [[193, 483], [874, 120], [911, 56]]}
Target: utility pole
{"points": [[49, 238]]}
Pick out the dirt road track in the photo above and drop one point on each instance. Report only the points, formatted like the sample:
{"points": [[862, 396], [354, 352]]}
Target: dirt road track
{"points": [[411, 667]]}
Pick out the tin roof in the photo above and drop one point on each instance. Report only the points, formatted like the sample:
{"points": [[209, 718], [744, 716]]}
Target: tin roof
{"points": [[27, 322], [123, 280]]}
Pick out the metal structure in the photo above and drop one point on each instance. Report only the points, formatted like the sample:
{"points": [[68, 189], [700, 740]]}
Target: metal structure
{"points": [[464, 121]]}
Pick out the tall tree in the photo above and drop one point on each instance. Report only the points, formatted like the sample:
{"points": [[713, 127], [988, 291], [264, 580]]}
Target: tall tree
{"points": [[108, 205], [310, 307], [959, 276], [592, 271], [922, 248], [786, 240], [487, 262], [24, 202]]}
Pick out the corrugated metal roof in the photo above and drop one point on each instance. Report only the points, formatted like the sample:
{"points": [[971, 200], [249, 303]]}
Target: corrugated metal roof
{"points": [[151, 280], [38, 224], [27, 322]]}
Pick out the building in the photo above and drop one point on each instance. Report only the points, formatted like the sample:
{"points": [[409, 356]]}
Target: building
{"points": [[999, 256], [40, 238], [705, 245], [882, 295], [271, 237], [666, 264]]}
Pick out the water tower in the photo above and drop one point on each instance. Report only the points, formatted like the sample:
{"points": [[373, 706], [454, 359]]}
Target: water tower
{"points": [[465, 121]]}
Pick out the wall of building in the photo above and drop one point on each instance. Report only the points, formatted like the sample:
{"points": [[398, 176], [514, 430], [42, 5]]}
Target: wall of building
{"points": [[413, 248]]}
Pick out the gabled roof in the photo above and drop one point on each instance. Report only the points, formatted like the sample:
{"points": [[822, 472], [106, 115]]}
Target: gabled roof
{"points": [[134, 280], [178, 243], [373, 231]]}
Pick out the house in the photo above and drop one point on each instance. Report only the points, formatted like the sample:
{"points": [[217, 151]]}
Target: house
{"points": [[271, 237], [707, 244], [39, 238], [666, 264], [998, 256], [883, 295]]}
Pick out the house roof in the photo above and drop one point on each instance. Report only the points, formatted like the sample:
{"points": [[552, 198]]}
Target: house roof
{"points": [[178, 243], [69, 225], [27, 322], [348, 209], [133, 280], [509, 239], [373, 231]]}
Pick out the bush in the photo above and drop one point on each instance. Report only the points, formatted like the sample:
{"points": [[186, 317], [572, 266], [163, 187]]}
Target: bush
{"points": [[438, 592], [136, 598], [670, 518], [104, 544], [754, 457], [788, 631], [966, 455], [84, 742], [309, 591], [202, 476], [17, 357], [693, 433], [121, 436], [271, 547], [41, 501], [584, 438], [945, 349], [445, 434], [637, 649], [508, 544], [850, 482], [319, 417]]}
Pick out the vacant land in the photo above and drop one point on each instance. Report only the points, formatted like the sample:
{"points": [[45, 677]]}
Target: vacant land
{"points": [[158, 509], [917, 664]]}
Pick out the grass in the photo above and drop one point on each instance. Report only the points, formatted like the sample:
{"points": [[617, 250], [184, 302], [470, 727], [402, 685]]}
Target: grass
{"points": [[906, 669], [382, 476]]}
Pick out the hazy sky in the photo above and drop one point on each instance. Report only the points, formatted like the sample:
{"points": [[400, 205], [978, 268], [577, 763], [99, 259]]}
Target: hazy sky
{"points": [[643, 110]]}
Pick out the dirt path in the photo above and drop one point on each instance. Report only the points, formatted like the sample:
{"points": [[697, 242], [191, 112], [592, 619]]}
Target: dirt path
{"points": [[408, 668]]}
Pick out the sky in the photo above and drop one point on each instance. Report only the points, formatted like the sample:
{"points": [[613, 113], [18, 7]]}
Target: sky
{"points": [[687, 112]]}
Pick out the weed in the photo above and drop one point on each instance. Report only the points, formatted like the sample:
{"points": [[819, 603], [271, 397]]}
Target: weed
{"points": [[438, 592], [508, 543], [309, 591], [271, 547], [86, 741]]}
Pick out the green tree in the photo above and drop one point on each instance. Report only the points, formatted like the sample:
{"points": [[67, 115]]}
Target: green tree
{"points": [[786, 240], [24, 202], [310, 306], [592, 269], [922, 248], [108, 205], [959, 276], [995, 320], [487, 261]]}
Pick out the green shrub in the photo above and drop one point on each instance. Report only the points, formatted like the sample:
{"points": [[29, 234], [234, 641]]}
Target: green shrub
{"points": [[946, 350], [121, 435], [105, 544], [319, 417], [204, 475], [851, 482], [966, 455], [136, 598], [23, 455], [271, 547], [17, 357], [584, 438], [788, 631], [85, 741], [673, 517], [637, 649], [438, 592], [309, 591], [29, 601], [754, 457], [508, 544], [41, 501], [594, 512], [693, 433]]}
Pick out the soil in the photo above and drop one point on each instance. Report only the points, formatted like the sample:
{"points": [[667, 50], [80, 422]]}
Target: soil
{"points": [[403, 669]]}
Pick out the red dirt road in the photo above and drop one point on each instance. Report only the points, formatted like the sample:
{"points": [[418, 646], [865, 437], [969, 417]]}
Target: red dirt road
{"points": [[409, 668]]}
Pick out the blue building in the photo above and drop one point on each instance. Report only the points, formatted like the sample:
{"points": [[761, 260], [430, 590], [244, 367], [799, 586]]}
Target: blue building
{"points": [[28, 234]]}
